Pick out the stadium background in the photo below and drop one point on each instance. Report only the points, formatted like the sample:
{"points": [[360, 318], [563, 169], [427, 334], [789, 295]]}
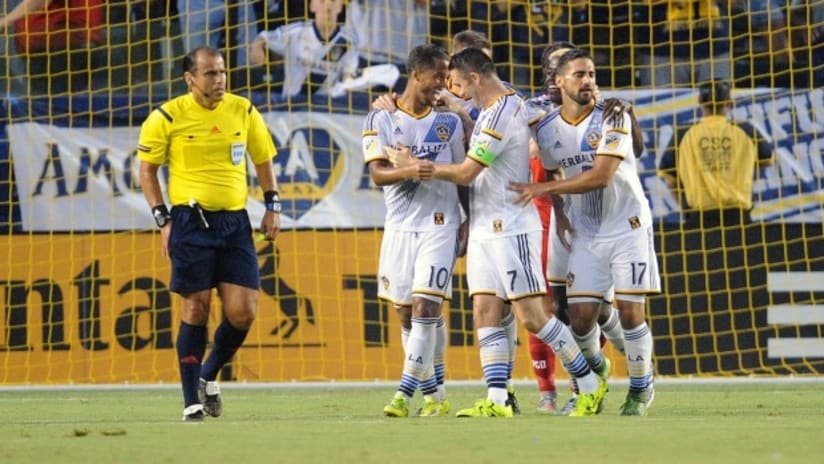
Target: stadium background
{"points": [[85, 291]]}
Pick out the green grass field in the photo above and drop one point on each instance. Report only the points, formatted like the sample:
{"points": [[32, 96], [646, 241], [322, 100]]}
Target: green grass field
{"points": [[718, 423]]}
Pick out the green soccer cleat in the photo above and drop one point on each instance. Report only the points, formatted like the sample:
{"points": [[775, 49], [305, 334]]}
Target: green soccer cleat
{"points": [[486, 408], [635, 404], [432, 408], [398, 407], [590, 404]]}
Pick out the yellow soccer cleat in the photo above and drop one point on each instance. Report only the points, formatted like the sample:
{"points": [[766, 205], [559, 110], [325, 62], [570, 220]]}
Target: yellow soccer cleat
{"points": [[432, 408], [590, 404], [398, 407], [486, 408]]}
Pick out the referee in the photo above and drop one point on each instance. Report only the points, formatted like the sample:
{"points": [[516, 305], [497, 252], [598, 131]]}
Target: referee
{"points": [[715, 163], [204, 137]]}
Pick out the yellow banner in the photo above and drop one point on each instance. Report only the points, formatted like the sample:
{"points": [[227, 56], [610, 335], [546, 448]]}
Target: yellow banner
{"points": [[96, 308]]}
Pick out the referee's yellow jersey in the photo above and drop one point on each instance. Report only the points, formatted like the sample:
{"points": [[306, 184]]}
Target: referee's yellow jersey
{"points": [[716, 161], [206, 149]]}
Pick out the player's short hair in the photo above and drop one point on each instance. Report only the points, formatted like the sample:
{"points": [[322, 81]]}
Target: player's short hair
{"points": [[472, 39], [190, 60], [472, 60], [572, 55], [425, 56], [714, 94]]}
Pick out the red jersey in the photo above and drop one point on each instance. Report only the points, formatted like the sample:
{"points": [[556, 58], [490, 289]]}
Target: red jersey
{"points": [[544, 204], [61, 23]]}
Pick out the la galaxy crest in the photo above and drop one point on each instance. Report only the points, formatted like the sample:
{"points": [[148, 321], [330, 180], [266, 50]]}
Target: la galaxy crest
{"points": [[593, 138], [309, 166]]}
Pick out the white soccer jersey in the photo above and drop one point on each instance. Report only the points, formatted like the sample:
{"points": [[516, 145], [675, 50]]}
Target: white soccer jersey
{"points": [[619, 207], [310, 58], [500, 142], [414, 205]]}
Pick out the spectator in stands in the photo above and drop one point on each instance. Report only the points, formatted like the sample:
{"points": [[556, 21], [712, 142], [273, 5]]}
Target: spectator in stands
{"points": [[806, 21], [318, 54], [715, 163], [203, 22], [682, 42], [761, 43], [57, 39], [387, 30]]}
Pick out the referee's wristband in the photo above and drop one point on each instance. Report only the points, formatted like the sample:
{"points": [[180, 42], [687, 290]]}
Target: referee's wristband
{"points": [[272, 201]]}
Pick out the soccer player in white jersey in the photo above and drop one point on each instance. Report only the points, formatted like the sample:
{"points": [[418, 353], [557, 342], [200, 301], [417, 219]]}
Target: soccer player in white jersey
{"points": [[423, 218], [609, 218], [558, 256], [468, 112], [503, 255], [317, 53]]}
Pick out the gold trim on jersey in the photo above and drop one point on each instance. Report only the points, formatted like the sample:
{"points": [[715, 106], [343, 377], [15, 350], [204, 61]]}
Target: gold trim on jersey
{"points": [[508, 93], [412, 113], [367, 133], [610, 153], [577, 121], [492, 133]]}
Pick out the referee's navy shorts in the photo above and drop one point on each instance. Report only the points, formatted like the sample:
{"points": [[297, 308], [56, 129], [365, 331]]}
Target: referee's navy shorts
{"points": [[223, 253]]}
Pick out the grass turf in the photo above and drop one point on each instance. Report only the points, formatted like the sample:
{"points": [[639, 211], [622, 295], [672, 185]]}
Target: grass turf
{"points": [[718, 423]]}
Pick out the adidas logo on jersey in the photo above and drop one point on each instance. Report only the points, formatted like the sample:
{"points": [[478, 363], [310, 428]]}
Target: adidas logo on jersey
{"points": [[558, 144], [398, 130]]}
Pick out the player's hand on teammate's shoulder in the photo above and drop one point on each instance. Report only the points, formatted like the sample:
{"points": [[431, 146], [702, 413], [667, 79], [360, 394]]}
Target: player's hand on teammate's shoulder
{"points": [[614, 110], [385, 102]]}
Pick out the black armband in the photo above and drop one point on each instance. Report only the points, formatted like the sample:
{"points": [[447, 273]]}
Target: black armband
{"points": [[272, 201], [161, 215]]}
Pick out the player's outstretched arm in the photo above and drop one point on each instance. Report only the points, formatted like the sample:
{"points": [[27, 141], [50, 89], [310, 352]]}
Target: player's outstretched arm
{"points": [[400, 166], [529, 191]]}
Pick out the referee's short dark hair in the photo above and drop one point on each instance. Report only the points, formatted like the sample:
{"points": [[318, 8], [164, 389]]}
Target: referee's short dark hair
{"points": [[191, 58], [714, 94]]}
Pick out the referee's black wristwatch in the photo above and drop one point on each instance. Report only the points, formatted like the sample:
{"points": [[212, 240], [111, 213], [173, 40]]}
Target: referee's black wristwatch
{"points": [[272, 201], [161, 215]]}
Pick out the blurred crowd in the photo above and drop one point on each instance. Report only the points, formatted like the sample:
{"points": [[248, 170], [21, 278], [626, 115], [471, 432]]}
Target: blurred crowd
{"points": [[135, 45]]}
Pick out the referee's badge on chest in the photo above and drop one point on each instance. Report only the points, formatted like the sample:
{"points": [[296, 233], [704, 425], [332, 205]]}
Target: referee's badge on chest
{"points": [[238, 152]]}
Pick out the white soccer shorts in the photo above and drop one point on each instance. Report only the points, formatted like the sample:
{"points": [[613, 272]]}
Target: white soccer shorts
{"points": [[508, 267], [629, 262], [416, 263]]}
